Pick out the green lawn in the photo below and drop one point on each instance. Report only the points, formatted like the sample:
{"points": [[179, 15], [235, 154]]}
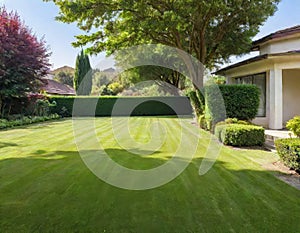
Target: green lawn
{"points": [[45, 186]]}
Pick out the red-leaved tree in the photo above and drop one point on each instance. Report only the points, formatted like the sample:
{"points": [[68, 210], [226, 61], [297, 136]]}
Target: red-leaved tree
{"points": [[23, 60]]}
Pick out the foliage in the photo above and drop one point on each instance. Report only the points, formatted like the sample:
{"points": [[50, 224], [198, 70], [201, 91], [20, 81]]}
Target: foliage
{"points": [[100, 81], [289, 151], [203, 123], [214, 106], [222, 124], [197, 105], [23, 60], [241, 102], [240, 135], [145, 106], [219, 80], [83, 75], [218, 131], [113, 89], [26, 120], [212, 31], [65, 78], [150, 88], [294, 125], [234, 121], [162, 55], [38, 105]]}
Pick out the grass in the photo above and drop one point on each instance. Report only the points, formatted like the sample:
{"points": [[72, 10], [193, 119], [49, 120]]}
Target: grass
{"points": [[45, 186]]}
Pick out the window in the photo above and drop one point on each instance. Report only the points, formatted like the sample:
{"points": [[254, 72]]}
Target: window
{"points": [[260, 81]]}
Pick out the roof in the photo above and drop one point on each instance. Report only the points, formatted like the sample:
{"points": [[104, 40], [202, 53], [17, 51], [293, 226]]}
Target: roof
{"points": [[257, 58], [276, 35], [55, 88]]}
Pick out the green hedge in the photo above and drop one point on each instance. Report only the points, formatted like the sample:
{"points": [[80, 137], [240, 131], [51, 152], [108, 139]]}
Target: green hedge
{"points": [[289, 151], [27, 120], [145, 106], [215, 110], [240, 134], [240, 101]]}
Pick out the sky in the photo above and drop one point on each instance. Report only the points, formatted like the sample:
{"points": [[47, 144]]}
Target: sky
{"points": [[40, 17]]}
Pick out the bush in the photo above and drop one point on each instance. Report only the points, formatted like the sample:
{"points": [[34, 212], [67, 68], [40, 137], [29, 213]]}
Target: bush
{"points": [[240, 135], [26, 121], [202, 122], [222, 124], [149, 106], [294, 125], [289, 151], [195, 101], [234, 121], [214, 106], [218, 131], [241, 102]]}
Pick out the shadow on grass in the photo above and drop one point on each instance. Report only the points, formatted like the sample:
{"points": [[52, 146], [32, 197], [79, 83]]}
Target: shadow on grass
{"points": [[7, 144]]}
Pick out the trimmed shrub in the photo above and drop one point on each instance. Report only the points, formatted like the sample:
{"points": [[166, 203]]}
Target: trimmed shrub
{"points": [[289, 151], [234, 121], [241, 102], [214, 106], [294, 125], [240, 135], [218, 130], [222, 124], [145, 106]]}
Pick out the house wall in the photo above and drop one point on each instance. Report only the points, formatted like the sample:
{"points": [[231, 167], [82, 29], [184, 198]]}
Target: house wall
{"points": [[291, 94], [287, 45]]}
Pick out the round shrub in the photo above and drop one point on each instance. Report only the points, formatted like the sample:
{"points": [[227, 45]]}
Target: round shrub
{"points": [[294, 125], [289, 151], [240, 135]]}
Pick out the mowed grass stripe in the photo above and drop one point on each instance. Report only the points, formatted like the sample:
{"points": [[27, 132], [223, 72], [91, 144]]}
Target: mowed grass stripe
{"points": [[48, 188]]}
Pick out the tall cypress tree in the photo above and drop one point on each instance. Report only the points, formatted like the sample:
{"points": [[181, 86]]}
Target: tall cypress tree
{"points": [[83, 75], [88, 76]]}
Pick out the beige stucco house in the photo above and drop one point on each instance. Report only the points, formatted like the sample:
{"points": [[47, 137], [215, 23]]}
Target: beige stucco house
{"points": [[276, 71]]}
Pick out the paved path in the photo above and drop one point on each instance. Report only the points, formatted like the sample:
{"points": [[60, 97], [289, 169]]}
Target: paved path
{"points": [[279, 133]]}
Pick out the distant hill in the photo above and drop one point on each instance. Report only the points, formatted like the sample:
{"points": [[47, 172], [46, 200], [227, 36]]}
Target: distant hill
{"points": [[109, 70], [66, 69]]}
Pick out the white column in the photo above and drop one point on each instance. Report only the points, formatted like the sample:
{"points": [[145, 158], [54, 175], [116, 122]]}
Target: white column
{"points": [[276, 99]]}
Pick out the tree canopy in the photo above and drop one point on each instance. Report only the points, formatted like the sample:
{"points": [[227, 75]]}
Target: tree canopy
{"points": [[211, 31], [23, 59], [64, 78]]}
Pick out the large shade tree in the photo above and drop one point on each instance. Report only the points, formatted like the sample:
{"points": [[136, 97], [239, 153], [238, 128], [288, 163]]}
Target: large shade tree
{"points": [[23, 59], [211, 31]]}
